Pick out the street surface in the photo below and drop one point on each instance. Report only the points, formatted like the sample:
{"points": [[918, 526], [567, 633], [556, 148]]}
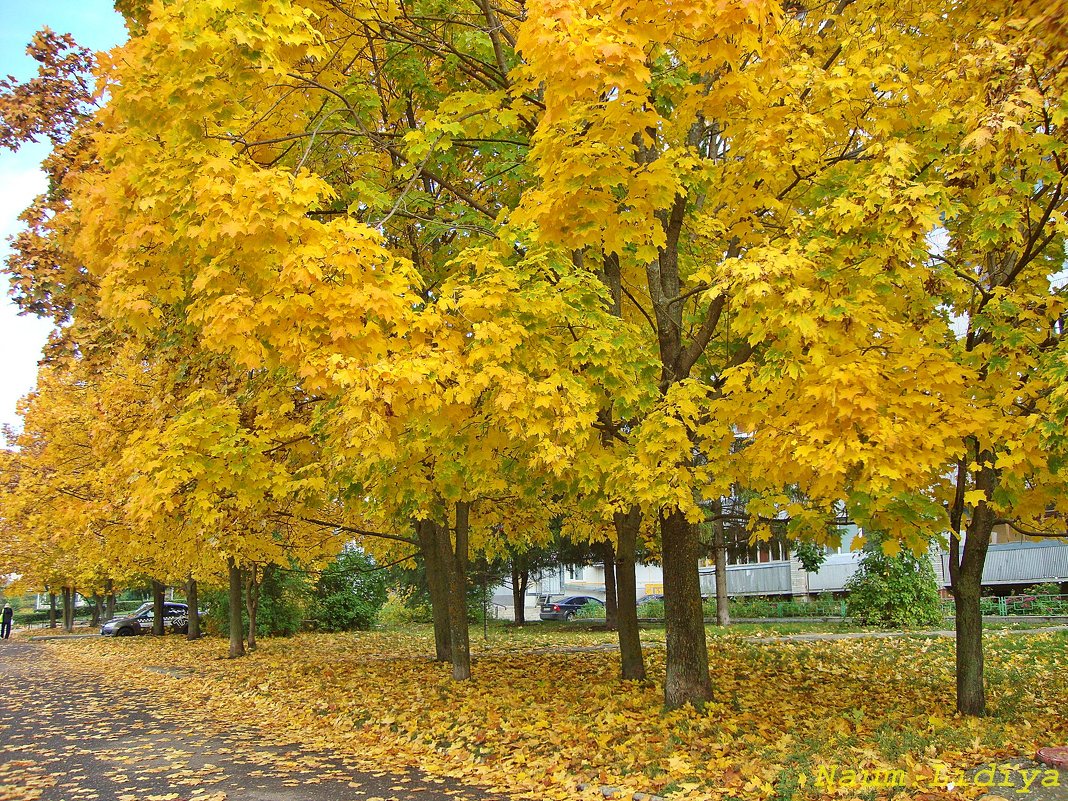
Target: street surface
{"points": [[66, 737]]}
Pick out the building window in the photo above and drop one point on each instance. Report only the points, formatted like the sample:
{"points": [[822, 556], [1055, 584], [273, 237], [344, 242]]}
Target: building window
{"points": [[740, 551]]}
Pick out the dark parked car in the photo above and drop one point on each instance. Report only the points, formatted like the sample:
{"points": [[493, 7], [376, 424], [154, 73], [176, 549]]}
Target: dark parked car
{"points": [[175, 620], [565, 608], [648, 598]]}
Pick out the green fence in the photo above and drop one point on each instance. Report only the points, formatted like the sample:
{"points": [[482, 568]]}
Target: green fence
{"points": [[1019, 605]]}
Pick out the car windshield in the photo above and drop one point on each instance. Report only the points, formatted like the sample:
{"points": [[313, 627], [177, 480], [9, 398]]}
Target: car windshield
{"points": [[142, 609]]}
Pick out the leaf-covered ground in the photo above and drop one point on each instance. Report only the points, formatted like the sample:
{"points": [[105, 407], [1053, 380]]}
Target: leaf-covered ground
{"points": [[540, 721], [70, 734]]}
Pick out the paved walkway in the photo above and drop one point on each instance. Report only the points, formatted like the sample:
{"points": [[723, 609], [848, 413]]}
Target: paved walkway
{"points": [[65, 737]]}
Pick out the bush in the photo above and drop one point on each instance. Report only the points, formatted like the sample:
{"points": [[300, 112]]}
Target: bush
{"points": [[896, 590], [590, 611], [1045, 588], [401, 608], [349, 594], [283, 602], [651, 609]]}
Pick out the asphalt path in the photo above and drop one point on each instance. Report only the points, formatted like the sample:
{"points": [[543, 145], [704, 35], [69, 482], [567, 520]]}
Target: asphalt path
{"points": [[66, 736]]}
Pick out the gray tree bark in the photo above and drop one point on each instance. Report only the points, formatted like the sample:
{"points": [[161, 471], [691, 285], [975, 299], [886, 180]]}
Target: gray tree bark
{"points": [[193, 632], [237, 638], [157, 608], [687, 680], [631, 659]]}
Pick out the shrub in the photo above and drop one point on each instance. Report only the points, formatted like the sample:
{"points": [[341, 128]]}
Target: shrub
{"points": [[349, 594], [896, 590], [651, 609], [591, 611], [1045, 588], [282, 605], [401, 608]]}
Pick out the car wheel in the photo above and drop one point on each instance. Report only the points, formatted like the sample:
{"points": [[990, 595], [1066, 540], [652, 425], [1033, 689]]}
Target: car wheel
{"points": [[569, 616], [180, 629], [124, 633]]}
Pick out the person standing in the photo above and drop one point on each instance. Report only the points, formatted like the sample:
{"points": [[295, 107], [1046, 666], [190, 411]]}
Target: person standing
{"points": [[5, 621]]}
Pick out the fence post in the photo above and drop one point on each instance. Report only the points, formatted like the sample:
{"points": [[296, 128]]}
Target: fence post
{"points": [[843, 607], [1003, 607]]}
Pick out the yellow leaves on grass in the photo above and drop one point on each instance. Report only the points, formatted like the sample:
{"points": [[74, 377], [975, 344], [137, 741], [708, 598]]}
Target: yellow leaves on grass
{"points": [[541, 720]]}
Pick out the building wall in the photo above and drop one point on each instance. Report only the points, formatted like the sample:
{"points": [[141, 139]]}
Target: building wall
{"points": [[1018, 563]]}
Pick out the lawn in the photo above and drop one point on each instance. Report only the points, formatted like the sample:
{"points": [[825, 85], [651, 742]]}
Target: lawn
{"points": [[546, 713]]}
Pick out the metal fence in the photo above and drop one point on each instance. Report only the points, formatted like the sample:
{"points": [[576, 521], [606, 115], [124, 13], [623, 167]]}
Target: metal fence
{"points": [[1020, 605]]}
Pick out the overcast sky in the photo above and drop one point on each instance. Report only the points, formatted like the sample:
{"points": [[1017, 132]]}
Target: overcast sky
{"points": [[94, 24]]}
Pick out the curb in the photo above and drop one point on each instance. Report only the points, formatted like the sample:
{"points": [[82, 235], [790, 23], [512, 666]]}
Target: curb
{"points": [[43, 637]]}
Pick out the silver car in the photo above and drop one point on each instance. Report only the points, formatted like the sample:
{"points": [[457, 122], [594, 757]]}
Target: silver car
{"points": [[175, 620]]}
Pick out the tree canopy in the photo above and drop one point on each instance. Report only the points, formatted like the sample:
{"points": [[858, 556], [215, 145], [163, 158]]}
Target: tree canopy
{"points": [[434, 274]]}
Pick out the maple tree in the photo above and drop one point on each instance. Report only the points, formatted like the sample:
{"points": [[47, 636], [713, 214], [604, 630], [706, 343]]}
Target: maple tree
{"points": [[434, 274], [378, 364], [682, 154], [762, 192], [939, 418], [1002, 275]]}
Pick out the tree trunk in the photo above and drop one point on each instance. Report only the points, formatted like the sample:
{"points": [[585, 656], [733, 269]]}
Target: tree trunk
{"points": [[631, 660], [252, 600], [437, 587], [687, 680], [520, 580], [98, 610], [237, 639], [967, 589], [454, 556], [157, 608], [611, 598], [68, 610], [966, 583], [109, 591], [971, 697], [719, 557], [51, 610], [193, 631]]}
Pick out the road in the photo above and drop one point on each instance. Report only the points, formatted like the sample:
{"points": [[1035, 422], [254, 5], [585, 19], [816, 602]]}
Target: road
{"points": [[65, 737]]}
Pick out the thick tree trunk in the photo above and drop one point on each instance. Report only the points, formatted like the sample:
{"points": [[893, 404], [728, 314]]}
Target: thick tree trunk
{"points": [[237, 639], [687, 680], [454, 556], [98, 610], [719, 557], [967, 585], [193, 632], [51, 610], [631, 660], [68, 610], [157, 608], [971, 697], [109, 591], [966, 581], [437, 587], [520, 580], [611, 597]]}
